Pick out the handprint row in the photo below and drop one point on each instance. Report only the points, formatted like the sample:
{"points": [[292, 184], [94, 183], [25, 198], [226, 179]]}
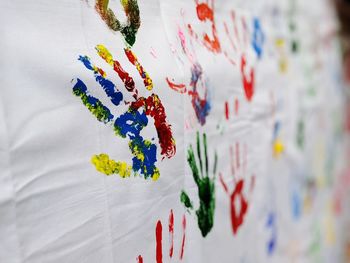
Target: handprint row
{"points": [[130, 123], [204, 170], [245, 37], [134, 120]]}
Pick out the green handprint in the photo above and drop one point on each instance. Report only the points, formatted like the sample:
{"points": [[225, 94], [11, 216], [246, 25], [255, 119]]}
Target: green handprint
{"points": [[206, 187]]}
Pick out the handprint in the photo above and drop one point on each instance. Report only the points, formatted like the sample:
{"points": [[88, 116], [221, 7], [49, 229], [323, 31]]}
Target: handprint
{"points": [[132, 12], [130, 123], [198, 83], [239, 45], [159, 239], [205, 12], [237, 195], [206, 187], [239, 42]]}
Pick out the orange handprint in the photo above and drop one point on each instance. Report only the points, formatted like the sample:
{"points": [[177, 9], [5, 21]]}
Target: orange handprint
{"points": [[205, 12]]}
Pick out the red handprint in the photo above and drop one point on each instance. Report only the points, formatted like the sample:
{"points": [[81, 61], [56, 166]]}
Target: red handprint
{"points": [[239, 44], [159, 239], [237, 195]]}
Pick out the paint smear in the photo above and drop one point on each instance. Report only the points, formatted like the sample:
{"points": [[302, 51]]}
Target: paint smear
{"points": [[171, 233], [300, 137], [283, 60], [277, 144], [277, 148], [227, 110], [107, 166], [159, 249], [153, 53], [139, 259], [258, 38], [296, 204], [236, 106], [271, 225], [130, 28], [183, 237], [181, 88], [205, 184]]}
